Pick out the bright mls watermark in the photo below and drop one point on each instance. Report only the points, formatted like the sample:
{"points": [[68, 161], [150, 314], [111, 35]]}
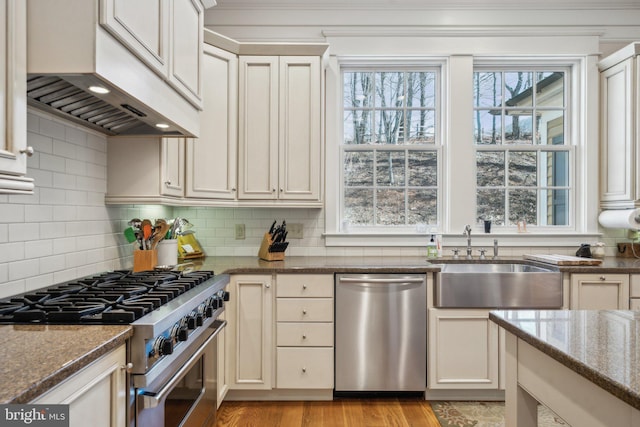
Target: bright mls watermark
{"points": [[34, 415]]}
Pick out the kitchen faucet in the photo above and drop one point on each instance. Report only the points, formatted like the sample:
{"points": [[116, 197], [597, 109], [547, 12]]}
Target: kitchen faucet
{"points": [[467, 232]]}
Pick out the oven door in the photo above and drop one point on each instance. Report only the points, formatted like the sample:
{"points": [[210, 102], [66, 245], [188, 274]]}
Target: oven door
{"points": [[188, 398]]}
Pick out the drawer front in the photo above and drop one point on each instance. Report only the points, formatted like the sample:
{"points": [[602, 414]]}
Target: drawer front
{"points": [[634, 304], [304, 310], [635, 285], [305, 334], [306, 368], [304, 286]]}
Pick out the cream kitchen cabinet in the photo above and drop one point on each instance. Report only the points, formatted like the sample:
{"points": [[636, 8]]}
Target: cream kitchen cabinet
{"points": [[279, 132], [99, 392], [250, 331], [634, 292], [599, 292], [166, 35], [222, 385], [620, 129], [304, 331], [13, 109], [212, 158], [145, 170], [463, 350]]}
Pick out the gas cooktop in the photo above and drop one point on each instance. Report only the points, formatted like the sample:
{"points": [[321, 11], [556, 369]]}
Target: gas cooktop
{"points": [[117, 297]]}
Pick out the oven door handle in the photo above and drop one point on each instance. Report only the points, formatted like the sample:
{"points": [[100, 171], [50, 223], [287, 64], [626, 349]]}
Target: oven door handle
{"points": [[153, 400]]}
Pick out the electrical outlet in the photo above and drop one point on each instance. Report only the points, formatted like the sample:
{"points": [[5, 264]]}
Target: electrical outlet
{"points": [[294, 231], [239, 231], [633, 234]]}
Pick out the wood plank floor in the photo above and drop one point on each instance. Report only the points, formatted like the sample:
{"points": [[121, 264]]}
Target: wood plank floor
{"points": [[340, 412]]}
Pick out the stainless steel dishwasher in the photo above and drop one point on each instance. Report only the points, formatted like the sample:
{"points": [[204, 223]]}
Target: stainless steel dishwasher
{"points": [[381, 333]]}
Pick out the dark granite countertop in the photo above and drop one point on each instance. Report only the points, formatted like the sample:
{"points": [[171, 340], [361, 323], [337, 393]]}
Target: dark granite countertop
{"points": [[601, 345], [35, 358], [381, 264]]}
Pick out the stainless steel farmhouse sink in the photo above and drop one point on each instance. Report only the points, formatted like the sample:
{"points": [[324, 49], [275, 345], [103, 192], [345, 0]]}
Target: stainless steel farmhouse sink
{"points": [[497, 285]]}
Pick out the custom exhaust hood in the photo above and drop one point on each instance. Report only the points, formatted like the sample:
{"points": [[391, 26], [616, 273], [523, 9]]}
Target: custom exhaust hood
{"points": [[112, 113], [76, 46]]}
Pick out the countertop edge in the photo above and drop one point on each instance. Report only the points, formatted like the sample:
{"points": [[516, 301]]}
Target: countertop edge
{"points": [[615, 388], [49, 382]]}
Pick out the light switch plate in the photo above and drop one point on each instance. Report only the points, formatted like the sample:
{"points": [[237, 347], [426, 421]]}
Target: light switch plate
{"points": [[240, 232], [294, 231]]}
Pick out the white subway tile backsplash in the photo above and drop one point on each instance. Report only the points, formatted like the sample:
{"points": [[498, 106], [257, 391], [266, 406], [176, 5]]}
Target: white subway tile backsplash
{"points": [[23, 269], [53, 263], [40, 143], [10, 213], [38, 249], [23, 232], [38, 213], [52, 128], [52, 163], [52, 196], [64, 245]]}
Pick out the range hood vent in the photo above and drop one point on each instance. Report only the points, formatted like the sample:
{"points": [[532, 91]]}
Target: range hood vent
{"points": [[112, 114]]}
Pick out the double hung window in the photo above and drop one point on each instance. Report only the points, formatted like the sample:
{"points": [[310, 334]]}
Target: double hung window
{"points": [[390, 148]]}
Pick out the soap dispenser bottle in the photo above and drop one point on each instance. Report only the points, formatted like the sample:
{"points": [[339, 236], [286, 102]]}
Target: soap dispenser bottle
{"points": [[432, 249]]}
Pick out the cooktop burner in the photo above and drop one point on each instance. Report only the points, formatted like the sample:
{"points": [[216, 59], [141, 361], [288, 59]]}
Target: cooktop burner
{"points": [[115, 297]]}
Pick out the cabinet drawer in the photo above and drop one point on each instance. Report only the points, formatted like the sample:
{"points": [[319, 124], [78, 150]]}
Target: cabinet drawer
{"points": [[304, 285], [308, 368], [305, 334], [304, 310]]}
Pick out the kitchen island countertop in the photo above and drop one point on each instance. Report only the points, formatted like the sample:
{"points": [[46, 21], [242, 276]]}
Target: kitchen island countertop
{"points": [[35, 358], [602, 346]]}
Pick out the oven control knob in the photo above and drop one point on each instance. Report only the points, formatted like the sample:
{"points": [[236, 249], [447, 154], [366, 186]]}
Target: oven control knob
{"points": [[162, 346], [225, 295], [183, 334], [167, 347], [208, 311], [191, 321]]}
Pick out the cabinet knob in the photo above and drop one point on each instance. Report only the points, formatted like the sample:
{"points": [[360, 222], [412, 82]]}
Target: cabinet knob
{"points": [[128, 367], [304, 287], [267, 285], [273, 190], [304, 336], [304, 311], [603, 278], [233, 190], [167, 182], [28, 151], [282, 190], [304, 370]]}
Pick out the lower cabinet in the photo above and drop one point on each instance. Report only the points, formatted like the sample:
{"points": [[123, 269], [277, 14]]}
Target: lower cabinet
{"points": [[463, 349], [280, 332], [250, 332], [599, 291], [97, 393], [222, 385], [304, 356]]}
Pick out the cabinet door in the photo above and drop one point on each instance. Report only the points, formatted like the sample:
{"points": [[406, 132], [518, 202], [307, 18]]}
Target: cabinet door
{"points": [[258, 128], [98, 393], [185, 71], [222, 385], [13, 109], [599, 291], [172, 167], [299, 146], [463, 350], [617, 135], [250, 332], [212, 158], [142, 26]]}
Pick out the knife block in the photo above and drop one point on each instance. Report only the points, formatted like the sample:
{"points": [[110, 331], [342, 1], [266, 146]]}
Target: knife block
{"points": [[264, 253], [144, 260]]}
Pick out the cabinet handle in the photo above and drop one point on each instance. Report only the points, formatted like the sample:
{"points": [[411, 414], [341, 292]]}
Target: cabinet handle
{"points": [[603, 278], [304, 287], [28, 151], [273, 190], [304, 311], [282, 190], [267, 285], [233, 190], [128, 367], [304, 336], [167, 182], [304, 370]]}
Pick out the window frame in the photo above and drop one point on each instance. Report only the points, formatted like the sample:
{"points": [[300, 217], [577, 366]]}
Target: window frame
{"points": [[571, 145], [374, 65]]}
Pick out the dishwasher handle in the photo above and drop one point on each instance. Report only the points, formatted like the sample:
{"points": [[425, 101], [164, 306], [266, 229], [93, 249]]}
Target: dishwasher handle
{"points": [[364, 281]]}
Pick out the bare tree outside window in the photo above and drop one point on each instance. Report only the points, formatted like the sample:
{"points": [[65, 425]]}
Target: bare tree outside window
{"points": [[389, 152]]}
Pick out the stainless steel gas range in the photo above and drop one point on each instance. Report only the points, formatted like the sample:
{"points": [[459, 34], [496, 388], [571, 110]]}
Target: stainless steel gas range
{"points": [[172, 353]]}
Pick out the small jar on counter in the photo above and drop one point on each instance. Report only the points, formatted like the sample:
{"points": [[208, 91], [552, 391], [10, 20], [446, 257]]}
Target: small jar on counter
{"points": [[597, 250]]}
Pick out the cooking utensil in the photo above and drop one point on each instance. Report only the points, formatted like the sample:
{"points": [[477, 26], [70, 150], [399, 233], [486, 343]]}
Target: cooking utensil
{"points": [[147, 230]]}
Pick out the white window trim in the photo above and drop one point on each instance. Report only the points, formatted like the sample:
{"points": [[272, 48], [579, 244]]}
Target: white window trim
{"points": [[455, 77]]}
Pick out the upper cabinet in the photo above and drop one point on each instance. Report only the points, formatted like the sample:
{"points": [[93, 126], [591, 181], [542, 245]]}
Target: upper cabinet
{"points": [[620, 129], [13, 108], [280, 154], [212, 158]]}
